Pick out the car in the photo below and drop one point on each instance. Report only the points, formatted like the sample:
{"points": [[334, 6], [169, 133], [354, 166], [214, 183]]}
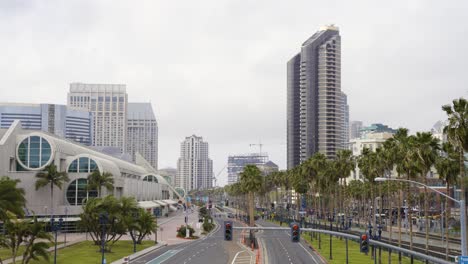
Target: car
{"points": [[230, 215]]}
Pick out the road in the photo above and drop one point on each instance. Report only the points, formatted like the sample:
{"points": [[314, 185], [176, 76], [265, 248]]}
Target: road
{"points": [[280, 249], [212, 249]]}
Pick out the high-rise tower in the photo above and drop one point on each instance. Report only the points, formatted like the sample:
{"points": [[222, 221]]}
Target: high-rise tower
{"points": [[108, 103], [194, 167], [142, 132], [316, 105]]}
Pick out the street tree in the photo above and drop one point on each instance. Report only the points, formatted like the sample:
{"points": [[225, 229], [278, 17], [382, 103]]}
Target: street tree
{"points": [[51, 177]]}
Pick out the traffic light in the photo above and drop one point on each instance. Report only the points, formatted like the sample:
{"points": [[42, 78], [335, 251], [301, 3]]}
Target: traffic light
{"points": [[364, 243], [228, 230], [295, 233]]}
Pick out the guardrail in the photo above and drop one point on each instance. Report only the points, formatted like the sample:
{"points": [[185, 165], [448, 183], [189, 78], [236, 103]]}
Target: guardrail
{"points": [[354, 237]]}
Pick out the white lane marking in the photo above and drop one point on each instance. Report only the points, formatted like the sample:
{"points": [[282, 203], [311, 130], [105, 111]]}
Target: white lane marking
{"points": [[313, 258], [236, 256]]}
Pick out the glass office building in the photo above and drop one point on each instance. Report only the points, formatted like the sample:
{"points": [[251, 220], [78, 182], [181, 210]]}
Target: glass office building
{"points": [[60, 120]]}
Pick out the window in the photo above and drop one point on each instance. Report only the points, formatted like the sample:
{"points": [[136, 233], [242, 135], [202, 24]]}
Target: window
{"points": [[83, 165], [34, 152], [77, 192], [150, 178]]}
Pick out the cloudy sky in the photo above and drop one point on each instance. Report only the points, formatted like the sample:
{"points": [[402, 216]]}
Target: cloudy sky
{"points": [[217, 68]]}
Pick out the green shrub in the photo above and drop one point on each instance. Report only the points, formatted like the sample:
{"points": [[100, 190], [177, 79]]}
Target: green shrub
{"points": [[207, 226], [182, 231]]}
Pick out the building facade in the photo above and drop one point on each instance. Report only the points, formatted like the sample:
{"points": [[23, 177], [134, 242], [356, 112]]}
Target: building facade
{"points": [[371, 141], [25, 152], [355, 129], [315, 110], [376, 128], [108, 103], [236, 164], [142, 132], [194, 167], [63, 121], [169, 174]]}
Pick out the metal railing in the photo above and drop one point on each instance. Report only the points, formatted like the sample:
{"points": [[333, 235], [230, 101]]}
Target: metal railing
{"points": [[354, 237]]}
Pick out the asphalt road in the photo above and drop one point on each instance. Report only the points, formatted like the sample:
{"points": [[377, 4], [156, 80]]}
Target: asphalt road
{"points": [[212, 249], [280, 249]]}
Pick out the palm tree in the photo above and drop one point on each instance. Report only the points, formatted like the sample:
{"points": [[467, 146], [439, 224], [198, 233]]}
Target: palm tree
{"points": [[251, 183], [457, 134], [426, 153], [345, 163], [411, 170], [97, 180], [11, 198], [51, 176], [397, 148], [447, 167]]}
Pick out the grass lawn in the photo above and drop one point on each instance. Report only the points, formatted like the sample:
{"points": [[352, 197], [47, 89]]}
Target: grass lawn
{"points": [[339, 251], [5, 253], [87, 252]]}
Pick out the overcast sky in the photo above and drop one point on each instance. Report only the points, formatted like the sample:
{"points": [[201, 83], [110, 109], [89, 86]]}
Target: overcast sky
{"points": [[217, 68]]}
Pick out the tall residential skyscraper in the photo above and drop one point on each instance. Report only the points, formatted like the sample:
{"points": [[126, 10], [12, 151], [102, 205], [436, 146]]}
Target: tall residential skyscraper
{"points": [[194, 167], [60, 120], [108, 103], [315, 110], [345, 121], [142, 132]]}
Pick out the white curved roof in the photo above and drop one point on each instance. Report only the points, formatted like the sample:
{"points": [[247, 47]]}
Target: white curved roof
{"points": [[72, 148]]}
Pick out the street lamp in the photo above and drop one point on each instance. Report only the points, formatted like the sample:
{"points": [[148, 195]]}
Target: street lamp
{"points": [[55, 228], [461, 203]]}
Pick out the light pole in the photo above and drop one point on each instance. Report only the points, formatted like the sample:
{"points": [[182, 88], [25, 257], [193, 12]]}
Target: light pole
{"points": [[65, 231], [55, 228], [461, 203]]}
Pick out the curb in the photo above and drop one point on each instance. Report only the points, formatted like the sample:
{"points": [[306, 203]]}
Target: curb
{"points": [[316, 251], [139, 253]]}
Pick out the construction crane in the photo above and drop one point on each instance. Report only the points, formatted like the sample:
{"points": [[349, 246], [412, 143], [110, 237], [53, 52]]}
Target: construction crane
{"points": [[215, 179]]}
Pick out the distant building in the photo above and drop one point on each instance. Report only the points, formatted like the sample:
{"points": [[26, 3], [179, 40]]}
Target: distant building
{"points": [[108, 103], [268, 167], [194, 167], [315, 110], [25, 152], [438, 131], [345, 120], [236, 164], [142, 132], [376, 128], [60, 120], [355, 129], [169, 174], [371, 141]]}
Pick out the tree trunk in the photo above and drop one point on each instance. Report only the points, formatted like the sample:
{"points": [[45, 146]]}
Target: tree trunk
{"points": [[251, 209], [447, 215], [51, 200], [410, 217], [426, 216], [462, 183]]}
